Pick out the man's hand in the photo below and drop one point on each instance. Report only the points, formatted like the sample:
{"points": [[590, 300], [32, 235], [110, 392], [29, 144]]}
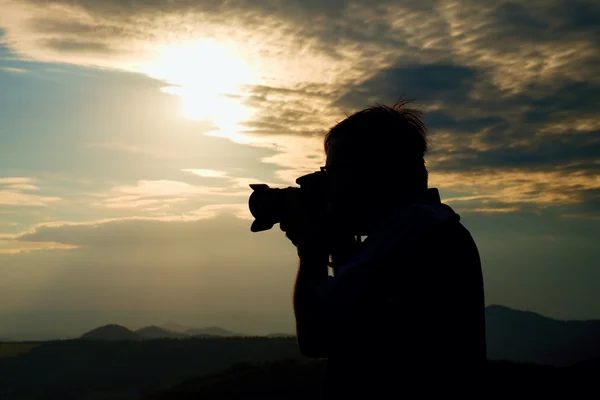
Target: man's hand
{"points": [[306, 233], [316, 238]]}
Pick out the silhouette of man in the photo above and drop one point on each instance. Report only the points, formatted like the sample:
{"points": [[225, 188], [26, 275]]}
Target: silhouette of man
{"points": [[404, 309]]}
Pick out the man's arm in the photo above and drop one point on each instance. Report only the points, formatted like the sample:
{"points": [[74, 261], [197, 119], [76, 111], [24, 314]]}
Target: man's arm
{"points": [[310, 303]]}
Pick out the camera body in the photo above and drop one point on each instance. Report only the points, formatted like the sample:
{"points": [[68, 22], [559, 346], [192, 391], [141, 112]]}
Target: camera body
{"points": [[270, 206]]}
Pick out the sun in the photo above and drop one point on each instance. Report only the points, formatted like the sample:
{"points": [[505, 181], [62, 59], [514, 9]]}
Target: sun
{"points": [[208, 76]]}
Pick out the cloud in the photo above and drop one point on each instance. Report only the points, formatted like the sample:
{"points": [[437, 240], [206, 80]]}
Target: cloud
{"points": [[20, 246], [208, 269], [123, 230], [240, 185], [103, 35], [510, 88], [13, 193], [240, 211], [206, 173], [62, 235], [162, 193], [443, 82], [15, 180], [13, 70], [520, 186], [496, 210], [128, 148], [511, 93]]}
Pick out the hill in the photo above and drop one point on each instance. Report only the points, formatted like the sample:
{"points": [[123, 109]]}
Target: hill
{"points": [[285, 379], [211, 331], [301, 379], [101, 369], [524, 336], [155, 332], [174, 327], [111, 332], [280, 335], [116, 361], [513, 335], [114, 332]]}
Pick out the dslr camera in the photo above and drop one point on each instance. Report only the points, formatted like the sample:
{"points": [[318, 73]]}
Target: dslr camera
{"points": [[270, 206]]}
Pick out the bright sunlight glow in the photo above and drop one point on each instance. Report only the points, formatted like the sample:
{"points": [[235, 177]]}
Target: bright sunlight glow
{"points": [[208, 75]]}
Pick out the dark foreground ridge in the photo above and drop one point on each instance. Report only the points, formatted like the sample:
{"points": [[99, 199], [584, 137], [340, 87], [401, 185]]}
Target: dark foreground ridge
{"points": [[214, 368], [114, 362], [297, 379], [286, 379], [109, 369]]}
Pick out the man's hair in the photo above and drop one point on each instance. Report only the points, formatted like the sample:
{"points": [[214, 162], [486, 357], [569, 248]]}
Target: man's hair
{"points": [[394, 137]]}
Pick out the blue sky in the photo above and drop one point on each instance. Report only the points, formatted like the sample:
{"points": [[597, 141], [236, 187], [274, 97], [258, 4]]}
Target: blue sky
{"points": [[130, 133]]}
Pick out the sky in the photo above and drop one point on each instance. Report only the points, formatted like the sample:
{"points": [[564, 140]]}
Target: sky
{"points": [[130, 132]]}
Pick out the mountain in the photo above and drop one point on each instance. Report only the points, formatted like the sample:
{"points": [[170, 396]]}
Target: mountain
{"points": [[525, 336], [512, 335], [174, 327], [280, 335], [211, 331], [105, 369], [155, 332], [114, 332], [111, 332]]}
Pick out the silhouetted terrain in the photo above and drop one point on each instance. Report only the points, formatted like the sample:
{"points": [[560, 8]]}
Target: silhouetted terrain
{"points": [[519, 336], [524, 336], [114, 332], [114, 362], [301, 379], [285, 379], [174, 327], [155, 332], [211, 331], [86, 369], [110, 333], [274, 335]]}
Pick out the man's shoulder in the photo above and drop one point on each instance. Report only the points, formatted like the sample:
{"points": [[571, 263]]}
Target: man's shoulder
{"points": [[444, 233], [444, 243], [450, 231], [413, 236]]}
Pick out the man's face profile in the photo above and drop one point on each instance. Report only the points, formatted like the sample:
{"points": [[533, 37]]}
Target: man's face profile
{"points": [[348, 183]]}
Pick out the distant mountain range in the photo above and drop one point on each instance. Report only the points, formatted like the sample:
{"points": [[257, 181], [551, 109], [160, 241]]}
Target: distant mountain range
{"points": [[528, 337], [211, 331], [174, 327], [513, 335], [123, 369], [156, 332], [111, 333], [112, 361], [114, 332], [280, 335]]}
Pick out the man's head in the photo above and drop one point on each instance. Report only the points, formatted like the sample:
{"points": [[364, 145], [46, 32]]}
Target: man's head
{"points": [[375, 161]]}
